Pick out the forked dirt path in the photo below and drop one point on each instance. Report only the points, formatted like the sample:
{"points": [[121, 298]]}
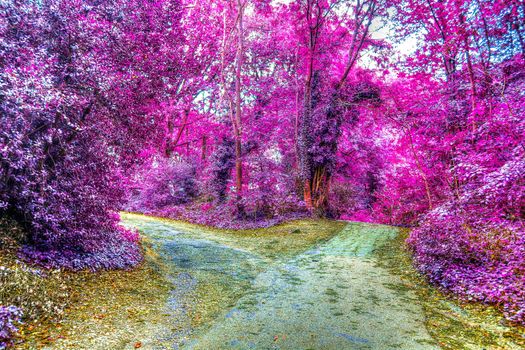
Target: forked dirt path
{"points": [[334, 295]]}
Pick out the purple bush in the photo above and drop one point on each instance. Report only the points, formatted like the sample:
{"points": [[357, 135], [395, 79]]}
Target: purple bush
{"points": [[268, 201], [475, 246], [10, 316], [477, 261], [164, 182], [116, 251], [471, 235], [72, 123], [224, 216]]}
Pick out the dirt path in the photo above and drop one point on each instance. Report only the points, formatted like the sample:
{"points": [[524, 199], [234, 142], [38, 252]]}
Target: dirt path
{"points": [[332, 296]]}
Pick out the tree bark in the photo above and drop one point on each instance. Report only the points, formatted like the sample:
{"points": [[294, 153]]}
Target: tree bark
{"points": [[238, 110], [204, 147]]}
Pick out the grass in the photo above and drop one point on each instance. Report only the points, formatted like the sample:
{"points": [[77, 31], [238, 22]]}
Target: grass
{"points": [[120, 309], [217, 293], [66, 305], [282, 240], [43, 296], [453, 324], [213, 296], [115, 306]]}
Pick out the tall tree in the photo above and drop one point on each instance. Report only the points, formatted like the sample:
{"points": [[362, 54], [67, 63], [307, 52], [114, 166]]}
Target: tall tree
{"points": [[237, 122], [320, 22]]}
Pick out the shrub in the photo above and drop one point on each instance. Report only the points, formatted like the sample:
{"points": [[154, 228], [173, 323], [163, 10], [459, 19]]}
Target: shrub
{"points": [[474, 245], [225, 215], [72, 123], [165, 182], [479, 259], [9, 317]]}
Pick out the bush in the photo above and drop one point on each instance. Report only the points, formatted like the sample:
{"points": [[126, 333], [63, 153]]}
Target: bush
{"points": [[9, 317], [474, 246], [479, 260], [225, 215], [165, 182], [68, 135], [344, 199], [119, 248]]}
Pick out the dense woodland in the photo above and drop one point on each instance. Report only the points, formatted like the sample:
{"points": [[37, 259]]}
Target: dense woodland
{"points": [[246, 113]]}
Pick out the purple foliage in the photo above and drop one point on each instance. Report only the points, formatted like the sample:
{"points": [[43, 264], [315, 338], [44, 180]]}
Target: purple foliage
{"points": [[222, 162], [88, 86], [476, 260], [165, 182], [459, 176], [9, 317], [475, 246], [72, 121], [119, 251], [223, 216]]}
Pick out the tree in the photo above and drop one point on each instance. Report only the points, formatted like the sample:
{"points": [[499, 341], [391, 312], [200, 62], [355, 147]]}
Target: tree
{"points": [[319, 22]]}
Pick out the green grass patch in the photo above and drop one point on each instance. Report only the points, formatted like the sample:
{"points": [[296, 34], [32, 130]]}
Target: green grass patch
{"points": [[213, 295], [115, 309], [116, 303], [283, 240]]}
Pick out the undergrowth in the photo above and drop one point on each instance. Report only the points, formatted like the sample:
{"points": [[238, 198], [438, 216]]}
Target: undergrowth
{"points": [[454, 324], [52, 301]]}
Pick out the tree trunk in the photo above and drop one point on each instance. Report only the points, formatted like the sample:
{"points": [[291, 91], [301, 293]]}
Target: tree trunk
{"points": [[308, 194], [169, 147], [316, 178], [306, 132], [204, 147], [420, 169], [238, 110], [170, 142]]}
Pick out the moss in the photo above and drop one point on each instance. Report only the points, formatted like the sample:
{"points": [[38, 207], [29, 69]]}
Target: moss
{"points": [[331, 292], [288, 238], [453, 324], [215, 294]]}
